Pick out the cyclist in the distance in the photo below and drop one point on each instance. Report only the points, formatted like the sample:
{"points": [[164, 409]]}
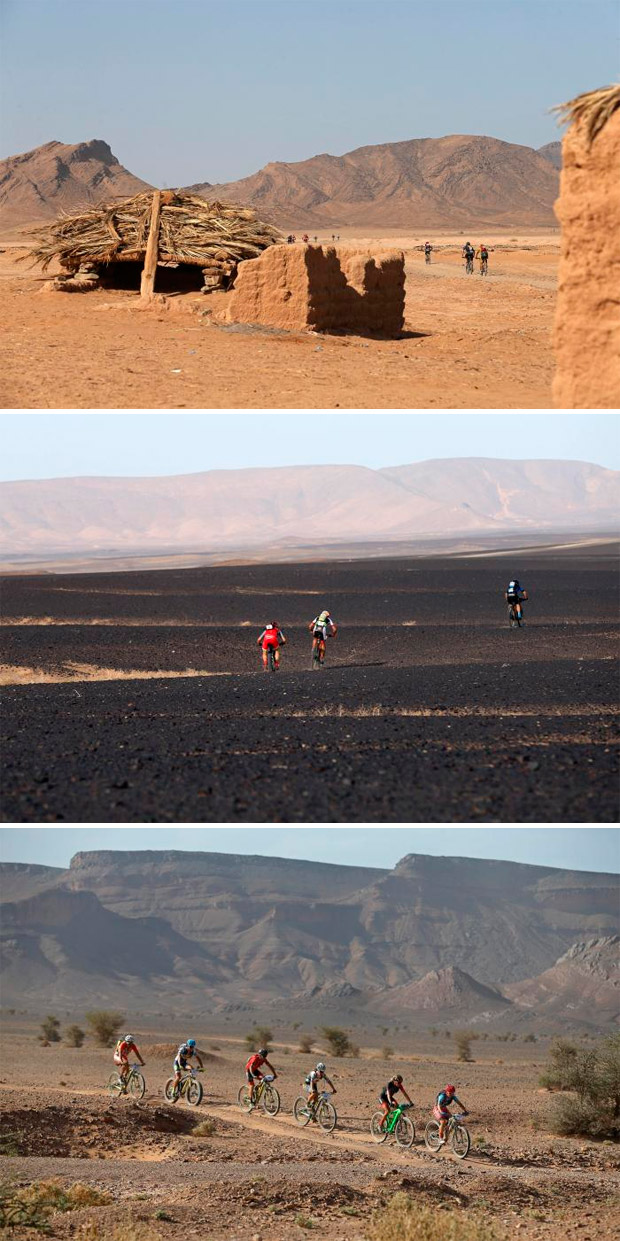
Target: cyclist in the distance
{"points": [[444, 1100], [515, 594], [121, 1057], [271, 637], [321, 627], [253, 1070], [187, 1051], [388, 1099], [315, 1077], [482, 253], [468, 255], [428, 250]]}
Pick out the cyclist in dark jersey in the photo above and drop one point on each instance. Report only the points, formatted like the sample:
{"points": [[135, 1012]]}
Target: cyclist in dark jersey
{"points": [[515, 594], [388, 1099]]}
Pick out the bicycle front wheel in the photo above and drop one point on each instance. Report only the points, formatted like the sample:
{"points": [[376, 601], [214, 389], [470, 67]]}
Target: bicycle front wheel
{"points": [[114, 1084], [326, 1116], [170, 1092], [301, 1111], [271, 1101], [193, 1094], [378, 1132], [460, 1141], [136, 1085], [244, 1099], [431, 1136], [405, 1132]]}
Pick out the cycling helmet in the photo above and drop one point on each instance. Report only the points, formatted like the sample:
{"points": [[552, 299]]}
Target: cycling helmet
{"points": [[129, 1038], [449, 1089], [191, 1042], [398, 1078], [262, 1051], [320, 1068], [273, 625]]}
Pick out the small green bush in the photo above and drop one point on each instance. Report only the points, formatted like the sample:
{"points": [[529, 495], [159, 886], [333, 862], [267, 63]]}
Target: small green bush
{"points": [[403, 1219], [105, 1025], [306, 1043], [74, 1036], [462, 1042], [51, 1029], [339, 1042], [260, 1036]]}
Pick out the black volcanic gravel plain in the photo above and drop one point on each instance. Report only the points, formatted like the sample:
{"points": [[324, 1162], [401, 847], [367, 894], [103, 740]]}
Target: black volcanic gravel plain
{"points": [[430, 708]]}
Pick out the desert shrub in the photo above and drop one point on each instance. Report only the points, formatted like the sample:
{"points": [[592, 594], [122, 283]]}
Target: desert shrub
{"points": [[260, 1036], [403, 1219], [205, 1129], [74, 1036], [591, 1079], [50, 1029], [339, 1042], [386, 1052], [384, 1030], [31, 1206], [305, 1221], [529, 1038], [10, 1144], [104, 1025], [433, 1031], [462, 1042], [306, 1043], [572, 1115]]}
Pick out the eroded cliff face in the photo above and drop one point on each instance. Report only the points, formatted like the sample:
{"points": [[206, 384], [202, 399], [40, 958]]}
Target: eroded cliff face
{"points": [[587, 324]]}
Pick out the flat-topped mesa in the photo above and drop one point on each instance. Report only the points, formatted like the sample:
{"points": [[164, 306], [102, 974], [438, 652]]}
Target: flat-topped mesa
{"points": [[316, 288]]}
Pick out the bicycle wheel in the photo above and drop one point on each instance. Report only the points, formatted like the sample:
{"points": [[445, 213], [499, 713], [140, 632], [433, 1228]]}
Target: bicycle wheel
{"points": [[270, 1101], [377, 1133], [512, 618], [405, 1131], [193, 1093], [114, 1084], [271, 660], [431, 1135], [170, 1092], [136, 1085], [244, 1099], [301, 1111], [326, 1116], [460, 1141]]}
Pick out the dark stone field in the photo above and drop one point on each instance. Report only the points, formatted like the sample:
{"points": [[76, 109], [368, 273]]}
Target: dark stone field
{"points": [[429, 707]]}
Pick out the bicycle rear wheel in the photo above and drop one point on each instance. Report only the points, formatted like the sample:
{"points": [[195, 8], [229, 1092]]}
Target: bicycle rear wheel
{"points": [[244, 1099], [460, 1141], [404, 1132], [271, 659], [193, 1092], [326, 1116], [136, 1085], [377, 1133], [271, 1101], [512, 618], [431, 1135], [301, 1111]]}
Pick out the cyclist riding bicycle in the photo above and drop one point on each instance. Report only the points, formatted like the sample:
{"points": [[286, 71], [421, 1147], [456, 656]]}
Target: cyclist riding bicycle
{"points": [[321, 627], [515, 594], [311, 1083], [253, 1068], [444, 1100], [121, 1056], [187, 1051], [428, 249], [388, 1099], [271, 638], [468, 254], [482, 254]]}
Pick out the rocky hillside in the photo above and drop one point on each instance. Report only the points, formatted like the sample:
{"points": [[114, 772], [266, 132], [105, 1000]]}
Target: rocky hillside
{"points": [[585, 979], [448, 183], [36, 186], [214, 930], [553, 152]]}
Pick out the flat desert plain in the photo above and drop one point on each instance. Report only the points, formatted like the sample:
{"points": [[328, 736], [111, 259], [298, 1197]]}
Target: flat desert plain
{"points": [[252, 1177], [139, 696], [468, 341]]}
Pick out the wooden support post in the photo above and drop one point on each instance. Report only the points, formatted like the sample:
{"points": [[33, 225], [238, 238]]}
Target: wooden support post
{"points": [[147, 283]]}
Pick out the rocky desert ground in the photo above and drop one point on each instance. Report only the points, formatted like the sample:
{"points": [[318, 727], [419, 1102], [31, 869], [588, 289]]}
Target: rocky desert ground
{"points": [[139, 696], [146, 1174], [468, 341]]}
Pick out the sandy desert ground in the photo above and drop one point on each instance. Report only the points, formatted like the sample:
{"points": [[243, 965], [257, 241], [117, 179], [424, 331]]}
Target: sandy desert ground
{"points": [[139, 696], [468, 341], [256, 1177]]}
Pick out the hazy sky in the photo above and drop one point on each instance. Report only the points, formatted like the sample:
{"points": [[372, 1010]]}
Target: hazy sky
{"points": [[195, 90], [64, 445], [579, 848]]}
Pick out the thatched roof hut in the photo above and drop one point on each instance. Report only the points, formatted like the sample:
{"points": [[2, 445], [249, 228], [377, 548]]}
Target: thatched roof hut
{"points": [[164, 228]]}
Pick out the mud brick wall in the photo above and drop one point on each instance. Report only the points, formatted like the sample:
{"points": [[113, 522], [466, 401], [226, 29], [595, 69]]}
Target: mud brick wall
{"points": [[587, 324], [335, 288]]}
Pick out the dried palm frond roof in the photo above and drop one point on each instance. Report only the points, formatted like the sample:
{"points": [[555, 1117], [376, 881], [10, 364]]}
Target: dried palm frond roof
{"points": [[191, 230], [593, 109]]}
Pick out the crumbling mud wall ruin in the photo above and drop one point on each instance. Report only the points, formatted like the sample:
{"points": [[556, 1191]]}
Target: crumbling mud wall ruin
{"points": [[587, 323], [303, 288]]}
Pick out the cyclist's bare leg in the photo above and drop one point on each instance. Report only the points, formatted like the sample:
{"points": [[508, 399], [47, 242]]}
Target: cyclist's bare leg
{"points": [[276, 655], [442, 1130], [386, 1112]]}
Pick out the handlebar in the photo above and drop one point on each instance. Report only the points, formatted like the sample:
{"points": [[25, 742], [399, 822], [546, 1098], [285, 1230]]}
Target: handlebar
{"points": [[269, 1077]]}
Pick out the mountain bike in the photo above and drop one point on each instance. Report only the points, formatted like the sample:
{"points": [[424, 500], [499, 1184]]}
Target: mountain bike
{"points": [[134, 1083], [318, 653], [262, 1095], [322, 1111], [457, 1135], [395, 1123], [469, 265], [272, 665], [427, 256], [189, 1088], [484, 266]]}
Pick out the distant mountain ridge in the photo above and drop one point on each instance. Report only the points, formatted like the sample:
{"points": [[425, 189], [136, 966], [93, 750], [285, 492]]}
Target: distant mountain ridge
{"points": [[255, 508], [215, 931], [453, 182]]}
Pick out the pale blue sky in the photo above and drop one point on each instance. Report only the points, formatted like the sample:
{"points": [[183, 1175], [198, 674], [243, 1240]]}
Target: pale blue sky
{"points": [[195, 90], [578, 848], [66, 445]]}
